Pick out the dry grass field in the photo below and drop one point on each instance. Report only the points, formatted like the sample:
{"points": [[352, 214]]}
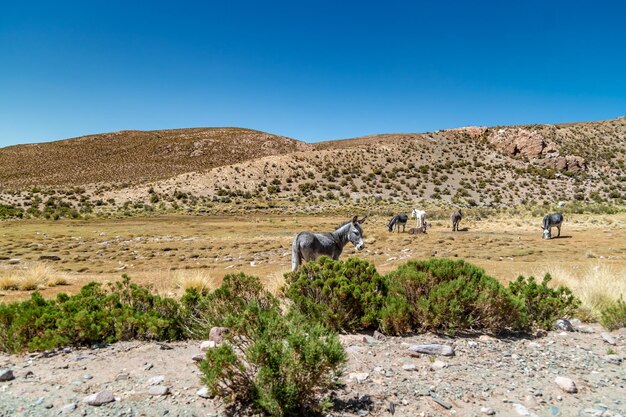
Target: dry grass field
{"points": [[177, 251]]}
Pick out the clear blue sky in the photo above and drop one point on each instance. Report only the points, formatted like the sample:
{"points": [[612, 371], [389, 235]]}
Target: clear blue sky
{"points": [[313, 70]]}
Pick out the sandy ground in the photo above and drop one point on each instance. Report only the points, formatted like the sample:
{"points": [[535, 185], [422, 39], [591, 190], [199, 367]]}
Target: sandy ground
{"points": [[507, 376]]}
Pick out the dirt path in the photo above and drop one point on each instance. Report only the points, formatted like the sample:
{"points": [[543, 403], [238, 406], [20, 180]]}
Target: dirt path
{"points": [[507, 376]]}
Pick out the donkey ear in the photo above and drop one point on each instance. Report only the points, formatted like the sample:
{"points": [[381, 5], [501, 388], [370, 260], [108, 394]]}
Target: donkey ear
{"points": [[355, 219], [363, 219]]}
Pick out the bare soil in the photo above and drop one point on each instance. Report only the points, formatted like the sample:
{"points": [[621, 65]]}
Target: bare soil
{"points": [[509, 376]]}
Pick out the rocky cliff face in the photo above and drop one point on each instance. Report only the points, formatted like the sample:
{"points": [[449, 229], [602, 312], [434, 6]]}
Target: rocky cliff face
{"points": [[531, 145]]}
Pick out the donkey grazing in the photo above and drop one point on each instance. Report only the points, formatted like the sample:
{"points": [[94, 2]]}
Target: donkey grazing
{"points": [[550, 221], [309, 246], [397, 221], [455, 219]]}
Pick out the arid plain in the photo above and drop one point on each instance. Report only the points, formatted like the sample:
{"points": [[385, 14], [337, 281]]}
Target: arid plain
{"points": [[168, 251]]}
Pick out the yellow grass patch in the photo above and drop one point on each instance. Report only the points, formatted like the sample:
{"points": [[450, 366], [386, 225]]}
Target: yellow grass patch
{"points": [[597, 285], [35, 276], [199, 280]]}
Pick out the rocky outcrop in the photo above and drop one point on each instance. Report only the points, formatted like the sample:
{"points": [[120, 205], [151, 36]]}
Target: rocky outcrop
{"points": [[517, 142]]}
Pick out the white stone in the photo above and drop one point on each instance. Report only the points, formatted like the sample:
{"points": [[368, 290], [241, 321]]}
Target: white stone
{"points": [[100, 398], [358, 376], [566, 384], [608, 338], [156, 380], [206, 345], [433, 349], [159, 390]]}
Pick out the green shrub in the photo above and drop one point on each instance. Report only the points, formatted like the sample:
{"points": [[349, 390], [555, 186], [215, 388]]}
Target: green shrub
{"points": [[10, 212], [447, 295], [273, 363], [124, 311], [543, 304], [614, 316], [345, 296], [215, 309]]}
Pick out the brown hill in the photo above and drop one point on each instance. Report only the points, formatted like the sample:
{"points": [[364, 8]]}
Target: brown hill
{"points": [[194, 169], [134, 156]]}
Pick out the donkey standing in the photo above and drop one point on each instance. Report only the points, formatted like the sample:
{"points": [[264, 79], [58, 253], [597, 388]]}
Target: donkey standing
{"points": [[309, 246], [455, 219]]}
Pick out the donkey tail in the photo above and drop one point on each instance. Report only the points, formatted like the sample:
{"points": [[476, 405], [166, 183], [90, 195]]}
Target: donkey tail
{"points": [[295, 253]]}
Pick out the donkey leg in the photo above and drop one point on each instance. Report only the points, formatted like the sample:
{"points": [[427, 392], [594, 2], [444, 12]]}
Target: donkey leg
{"points": [[559, 233]]}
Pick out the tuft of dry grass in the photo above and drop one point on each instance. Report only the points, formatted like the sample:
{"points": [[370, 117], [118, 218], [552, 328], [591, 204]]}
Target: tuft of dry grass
{"points": [[197, 279], [598, 285], [35, 276], [274, 282]]}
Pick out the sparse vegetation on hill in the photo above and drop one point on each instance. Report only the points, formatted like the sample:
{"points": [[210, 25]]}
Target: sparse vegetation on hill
{"points": [[219, 170]]}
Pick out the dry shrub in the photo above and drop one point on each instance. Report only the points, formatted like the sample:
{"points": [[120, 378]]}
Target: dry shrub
{"points": [[8, 281], [597, 286], [274, 282], [201, 281], [35, 276]]}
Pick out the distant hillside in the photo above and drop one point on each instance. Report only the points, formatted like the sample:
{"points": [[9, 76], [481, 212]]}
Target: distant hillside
{"points": [[134, 156], [223, 169]]}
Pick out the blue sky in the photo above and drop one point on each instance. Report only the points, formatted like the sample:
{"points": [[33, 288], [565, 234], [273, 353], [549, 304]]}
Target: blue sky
{"points": [[313, 71]]}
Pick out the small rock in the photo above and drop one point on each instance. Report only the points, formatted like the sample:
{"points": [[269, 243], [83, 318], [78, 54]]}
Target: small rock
{"points": [[370, 340], [608, 338], [122, 376], [13, 261], [436, 365], [541, 333], [49, 258], [442, 403], [566, 384], [203, 392], [358, 376], [472, 344], [584, 329], [409, 367], [614, 359], [102, 397], [68, 408], [217, 334], [554, 410], [521, 410], [87, 377], [206, 345], [148, 366], [156, 380], [159, 390], [378, 335], [6, 375], [198, 358], [563, 324], [433, 349], [488, 411]]}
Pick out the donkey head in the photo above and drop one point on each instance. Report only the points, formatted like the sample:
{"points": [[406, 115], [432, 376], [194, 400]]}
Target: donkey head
{"points": [[355, 234]]}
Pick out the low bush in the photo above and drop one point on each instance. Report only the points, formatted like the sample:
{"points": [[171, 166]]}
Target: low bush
{"points": [[448, 295], [269, 362], [272, 363], [10, 212], [204, 311], [544, 305], [346, 296], [613, 317], [124, 311]]}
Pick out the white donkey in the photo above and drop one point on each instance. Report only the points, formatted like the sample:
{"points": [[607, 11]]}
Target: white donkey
{"points": [[420, 218]]}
